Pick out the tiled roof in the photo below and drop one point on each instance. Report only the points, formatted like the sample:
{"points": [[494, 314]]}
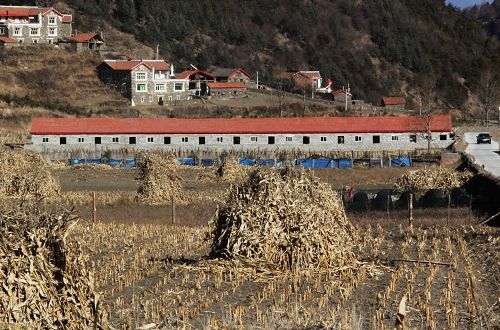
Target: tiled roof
{"points": [[8, 40], [26, 11], [188, 73], [131, 65], [104, 126], [393, 101], [81, 37], [224, 85], [228, 72]]}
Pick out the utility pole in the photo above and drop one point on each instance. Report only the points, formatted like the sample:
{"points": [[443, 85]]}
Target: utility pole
{"points": [[304, 110], [157, 50], [257, 79], [420, 105]]}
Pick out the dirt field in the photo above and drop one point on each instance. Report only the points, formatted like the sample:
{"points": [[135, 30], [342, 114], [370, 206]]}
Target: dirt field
{"points": [[153, 273]]}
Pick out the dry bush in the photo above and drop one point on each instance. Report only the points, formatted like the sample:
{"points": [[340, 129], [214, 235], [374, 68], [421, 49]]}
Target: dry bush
{"points": [[45, 280], [25, 175], [286, 218], [159, 179], [231, 170], [432, 178]]}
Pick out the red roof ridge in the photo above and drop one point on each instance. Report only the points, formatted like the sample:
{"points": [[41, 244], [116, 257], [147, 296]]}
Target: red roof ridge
{"points": [[226, 85]]}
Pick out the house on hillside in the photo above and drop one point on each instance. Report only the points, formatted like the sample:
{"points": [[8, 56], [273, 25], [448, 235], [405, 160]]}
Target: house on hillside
{"points": [[232, 75], [393, 103], [198, 80], [8, 42], [34, 25], [340, 95], [226, 89], [303, 79], [306, 134], [144, 82], [83, 41]]}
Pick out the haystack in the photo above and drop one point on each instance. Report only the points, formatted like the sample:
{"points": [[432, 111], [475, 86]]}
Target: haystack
{"points": [[45, 281], [285, 218], [25, 175], [159, 179], [231, 170], [432, 178]]}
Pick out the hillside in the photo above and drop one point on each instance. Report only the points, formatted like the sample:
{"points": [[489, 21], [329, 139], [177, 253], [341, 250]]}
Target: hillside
{"points": [[379, 46]]}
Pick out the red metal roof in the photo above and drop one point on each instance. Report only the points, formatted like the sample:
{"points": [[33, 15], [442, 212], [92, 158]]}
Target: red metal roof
{"points": [[104, 126], [81, 37], [131, 65], [393, 101], [7, 40], [188, 73], [226, 85]]}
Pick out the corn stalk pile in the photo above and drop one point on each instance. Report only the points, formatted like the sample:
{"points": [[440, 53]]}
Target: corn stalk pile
{"points": [[231, 171], [432, 178], [284, 218], [159, 179], [45, 281], [25, 175]]}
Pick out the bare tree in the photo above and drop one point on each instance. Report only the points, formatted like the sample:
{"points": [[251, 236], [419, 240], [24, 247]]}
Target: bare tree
{"points": [[428, 99], [44, 3], [488, 92]]}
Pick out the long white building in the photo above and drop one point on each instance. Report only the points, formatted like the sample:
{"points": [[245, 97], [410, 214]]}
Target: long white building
{"points": [[312, 134]]}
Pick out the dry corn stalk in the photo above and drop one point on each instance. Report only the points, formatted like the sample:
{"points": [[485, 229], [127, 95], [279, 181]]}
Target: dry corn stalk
{"points": [[25, 175], [45, 280], [286, 218], [231, 170], [432, 178], [159, 180]]}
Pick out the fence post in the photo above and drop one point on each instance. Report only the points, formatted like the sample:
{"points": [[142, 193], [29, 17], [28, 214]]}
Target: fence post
{"points": [[388, 206], [449, 209], [173, 209], [94, 208], [410, 209]]}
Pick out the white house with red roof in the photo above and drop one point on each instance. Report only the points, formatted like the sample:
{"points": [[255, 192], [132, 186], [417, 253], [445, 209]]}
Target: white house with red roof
{"points": [[310, 134], [198, 80], [32, 24], [145, 82]]}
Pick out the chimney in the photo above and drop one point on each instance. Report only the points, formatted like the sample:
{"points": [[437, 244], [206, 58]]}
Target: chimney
{"points": [[172, 70]]}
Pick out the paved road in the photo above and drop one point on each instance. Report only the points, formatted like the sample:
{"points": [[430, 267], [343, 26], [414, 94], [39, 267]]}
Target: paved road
{"points": [[486, 155]]}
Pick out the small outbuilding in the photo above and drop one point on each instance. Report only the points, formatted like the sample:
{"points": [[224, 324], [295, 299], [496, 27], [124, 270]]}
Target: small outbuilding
{"points": [[226, 89], [393, 103], [198, 80], [232, 75], [84, 41], [8, 42]]}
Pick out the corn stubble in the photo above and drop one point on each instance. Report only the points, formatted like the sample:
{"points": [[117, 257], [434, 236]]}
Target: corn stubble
{"points": [[284, 218]]}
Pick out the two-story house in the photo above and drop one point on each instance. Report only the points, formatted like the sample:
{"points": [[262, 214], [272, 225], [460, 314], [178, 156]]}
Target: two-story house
{"points": [[144, 82], [32, 25]]}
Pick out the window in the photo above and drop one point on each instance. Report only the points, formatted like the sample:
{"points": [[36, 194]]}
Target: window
{"points": [[288, 139], [178, 87], [18, 31], [2, 30], [253, 139], [142, 99], [151, 139], [271, 140], [166, 140], [52, 31], [62, 140], [160, 87], [114, 140], [236, 140], [185, 139], [201, 140], [52, 20], [140, 76], [413, 138], [340, 139], [395, 138], [97, 140], [376, 139], [45, 140], [322, 139], [132, 140], [34, 31], [35, 41], [358, 138], [219, 139], [306, 140], [443, 137], [81, 140], [141, 88]]}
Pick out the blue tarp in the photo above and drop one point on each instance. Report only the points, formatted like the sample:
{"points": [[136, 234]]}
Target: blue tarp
{"points": [[266, 162], [187, 161], [344, 163], [247, 161], [130, 163], [401, 161], [208, 162], [324, 163], [76, 161], [115, 162], [92, 161]]}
